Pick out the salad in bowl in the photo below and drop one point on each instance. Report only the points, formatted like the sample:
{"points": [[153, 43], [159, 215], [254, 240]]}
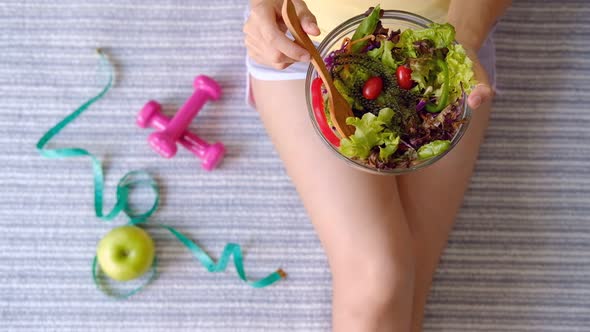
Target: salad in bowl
{"points": [[406, 80]]}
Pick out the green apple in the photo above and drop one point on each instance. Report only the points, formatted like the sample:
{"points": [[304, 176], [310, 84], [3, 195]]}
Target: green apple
{"points": [[125, 253]]}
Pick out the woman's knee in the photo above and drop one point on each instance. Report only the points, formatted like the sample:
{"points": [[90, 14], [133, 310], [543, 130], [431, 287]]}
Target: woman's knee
{"points": [[376, 283]]}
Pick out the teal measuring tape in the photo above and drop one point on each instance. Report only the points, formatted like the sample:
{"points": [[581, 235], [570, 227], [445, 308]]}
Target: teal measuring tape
{"points": [[132, 180]]}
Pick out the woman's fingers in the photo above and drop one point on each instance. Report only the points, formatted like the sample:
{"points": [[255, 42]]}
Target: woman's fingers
{"points": [[483, 92], [260, 59], [259, 55], [266, 39], [480, 95], [266, 54], [265, 35], [280, 45]]}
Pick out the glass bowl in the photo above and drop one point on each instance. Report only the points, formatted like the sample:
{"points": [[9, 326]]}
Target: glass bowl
{"points": [[392, 19]]}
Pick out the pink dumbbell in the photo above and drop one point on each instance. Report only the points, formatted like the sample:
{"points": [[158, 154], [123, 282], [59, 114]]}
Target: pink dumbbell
{"points": [[151, 116], [164, 142], [211, 154]]}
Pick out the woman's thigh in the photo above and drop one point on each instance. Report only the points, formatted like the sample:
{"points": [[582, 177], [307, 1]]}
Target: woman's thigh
{"points": [[345, 205], [433, 196], [357, 216]]}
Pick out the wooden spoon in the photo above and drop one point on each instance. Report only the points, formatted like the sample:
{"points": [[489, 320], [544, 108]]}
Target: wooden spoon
{"points": [[339, 107]]}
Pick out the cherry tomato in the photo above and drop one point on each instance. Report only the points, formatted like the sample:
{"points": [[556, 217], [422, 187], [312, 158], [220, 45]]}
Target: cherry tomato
{"points": [[404, 77], [372, 87]]}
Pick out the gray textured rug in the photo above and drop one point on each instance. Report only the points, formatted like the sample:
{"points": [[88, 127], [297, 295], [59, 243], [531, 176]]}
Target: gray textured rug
{"points": [[518, 259]]}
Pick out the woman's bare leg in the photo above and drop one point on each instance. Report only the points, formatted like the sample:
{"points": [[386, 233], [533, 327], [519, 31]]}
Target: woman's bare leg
{"points": [[431, 199], [358, 217]]}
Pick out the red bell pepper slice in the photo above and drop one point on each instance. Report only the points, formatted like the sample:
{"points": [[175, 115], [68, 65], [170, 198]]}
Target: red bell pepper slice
{"points": [[317, 100]]}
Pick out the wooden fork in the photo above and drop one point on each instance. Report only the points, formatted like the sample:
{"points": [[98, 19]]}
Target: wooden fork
{"points": [[339, 107]]}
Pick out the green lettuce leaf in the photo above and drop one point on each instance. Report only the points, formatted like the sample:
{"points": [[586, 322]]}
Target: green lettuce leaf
{"points": [[389, 146], [367, 27], [433, 149], [425, 72], [460, 72], [384, 53], [371, 131], [442, 35], [387, 58], [377, 53]]}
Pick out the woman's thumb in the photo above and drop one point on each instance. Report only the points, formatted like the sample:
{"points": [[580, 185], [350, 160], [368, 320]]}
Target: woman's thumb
{"points": [[483, 92], [308, 20], [309, 24]]}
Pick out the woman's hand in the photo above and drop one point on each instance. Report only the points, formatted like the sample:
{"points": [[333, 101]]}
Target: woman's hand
{"points": [[265, 32], [473, 21], [483, 92]]}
